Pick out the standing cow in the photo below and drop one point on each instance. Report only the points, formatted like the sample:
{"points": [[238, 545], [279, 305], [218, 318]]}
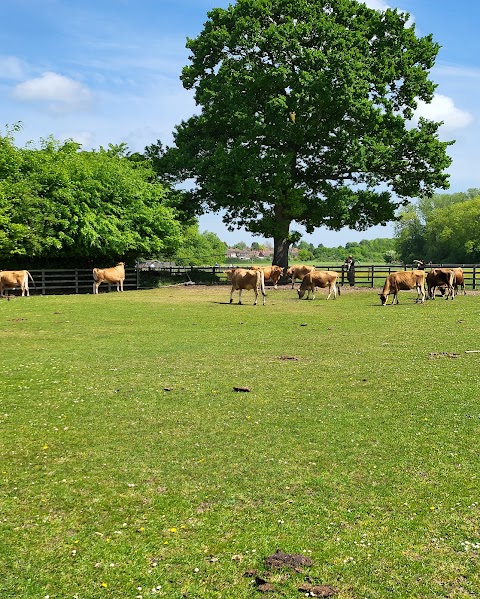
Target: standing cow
{"points": [[298, 272], [115, 274], [402, 280], [458, 281], [441, 277], [11, 279], [246, 279], [270, 273], [322, 279]]}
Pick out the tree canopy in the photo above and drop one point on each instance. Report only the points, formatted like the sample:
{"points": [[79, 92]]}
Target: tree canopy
{"points": [[306, 117], [60, 205]]}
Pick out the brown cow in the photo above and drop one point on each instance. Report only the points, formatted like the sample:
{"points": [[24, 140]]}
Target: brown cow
{"points": [[458, 281], [402, 280], [319, 278], [270, 273], [246, 279], [115, 274], [10, 279], [441, 277], [298, 272]]}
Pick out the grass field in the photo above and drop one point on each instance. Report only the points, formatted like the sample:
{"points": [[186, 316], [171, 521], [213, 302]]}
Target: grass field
{"points": [[131, 468]]}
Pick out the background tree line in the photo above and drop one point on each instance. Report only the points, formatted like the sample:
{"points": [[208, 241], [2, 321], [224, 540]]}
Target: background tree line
{"points": [[443, 229], [62, 206]]}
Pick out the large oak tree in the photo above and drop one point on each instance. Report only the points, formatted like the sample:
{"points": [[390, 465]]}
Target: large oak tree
{"points": [[305, 116]]}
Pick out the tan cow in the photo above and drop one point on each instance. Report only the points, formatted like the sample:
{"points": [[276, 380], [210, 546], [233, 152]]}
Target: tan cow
{"points": [[246, 279], [322, 279], [441, 277], [11, 279], [115, 274], [270, 273], [458, 281], [402, 280], [298, 272]]}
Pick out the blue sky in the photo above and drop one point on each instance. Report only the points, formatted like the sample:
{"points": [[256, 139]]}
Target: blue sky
{"points": [[107, 71]]}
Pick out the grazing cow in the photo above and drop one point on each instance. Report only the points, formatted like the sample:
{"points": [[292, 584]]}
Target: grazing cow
{"points": [[298, 272], [458, 281], [115, 274], [10, 279], [246, 279], [402, 280], [441, 277], [270, 273], [319, 278]]}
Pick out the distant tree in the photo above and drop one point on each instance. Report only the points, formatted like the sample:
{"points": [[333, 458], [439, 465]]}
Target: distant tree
{"points": [[452, 234], [305, 255], [390, 256], [409, 234], [428, 205], [255, 246], [200, 249], [305, 115], [241, 245]]}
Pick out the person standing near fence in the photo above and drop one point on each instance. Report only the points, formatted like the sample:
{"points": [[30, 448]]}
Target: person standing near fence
{"points": [[349, 266]]}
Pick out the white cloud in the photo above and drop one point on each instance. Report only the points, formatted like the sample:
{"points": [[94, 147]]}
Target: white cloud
{"points": [[11, 67], [60, 93], [85, 138], [442, 108], [376, 4]]}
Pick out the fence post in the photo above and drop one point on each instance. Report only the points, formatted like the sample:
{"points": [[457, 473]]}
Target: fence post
{"points": [[373, 275], [43, 282], [474, 272], [76, 280]]}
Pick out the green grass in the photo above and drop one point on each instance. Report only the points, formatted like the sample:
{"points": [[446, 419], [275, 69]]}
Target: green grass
{"points": [[129, 463]]}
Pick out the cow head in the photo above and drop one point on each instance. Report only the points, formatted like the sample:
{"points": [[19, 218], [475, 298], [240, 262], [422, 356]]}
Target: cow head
{"points": [[301, 293], [383, 298]]}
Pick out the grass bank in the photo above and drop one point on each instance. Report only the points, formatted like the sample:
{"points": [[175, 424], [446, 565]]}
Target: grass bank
{"points": [[130, 466]]}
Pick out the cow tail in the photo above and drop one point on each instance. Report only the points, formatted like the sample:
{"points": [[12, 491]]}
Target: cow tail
{"points": [[31, 279], [262, 282], [95, 277]]}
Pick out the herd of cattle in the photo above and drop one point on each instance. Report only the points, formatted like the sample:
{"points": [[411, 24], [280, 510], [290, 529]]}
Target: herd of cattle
{"points": [[447, 280]]}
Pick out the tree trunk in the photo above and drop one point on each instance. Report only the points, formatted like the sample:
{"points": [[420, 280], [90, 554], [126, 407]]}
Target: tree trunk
{"points": [[281, 245], [281, 238]]}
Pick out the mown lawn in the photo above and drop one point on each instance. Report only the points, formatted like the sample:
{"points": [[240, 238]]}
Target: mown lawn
{"points": [[131, 468]]}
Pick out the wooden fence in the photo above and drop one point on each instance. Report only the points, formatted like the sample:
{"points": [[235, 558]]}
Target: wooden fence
{"points": [[78, 280], [72, 281], [368, 275]]}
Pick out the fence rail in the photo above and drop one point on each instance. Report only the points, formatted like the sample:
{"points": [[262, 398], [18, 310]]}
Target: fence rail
{"points": [[80, 280], [366, 275], [72, 281]]}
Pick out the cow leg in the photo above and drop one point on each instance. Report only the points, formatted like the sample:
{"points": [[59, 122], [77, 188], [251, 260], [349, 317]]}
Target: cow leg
{"points": [[256, 296], [330, 292], [231, 294], [240, 296]]}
